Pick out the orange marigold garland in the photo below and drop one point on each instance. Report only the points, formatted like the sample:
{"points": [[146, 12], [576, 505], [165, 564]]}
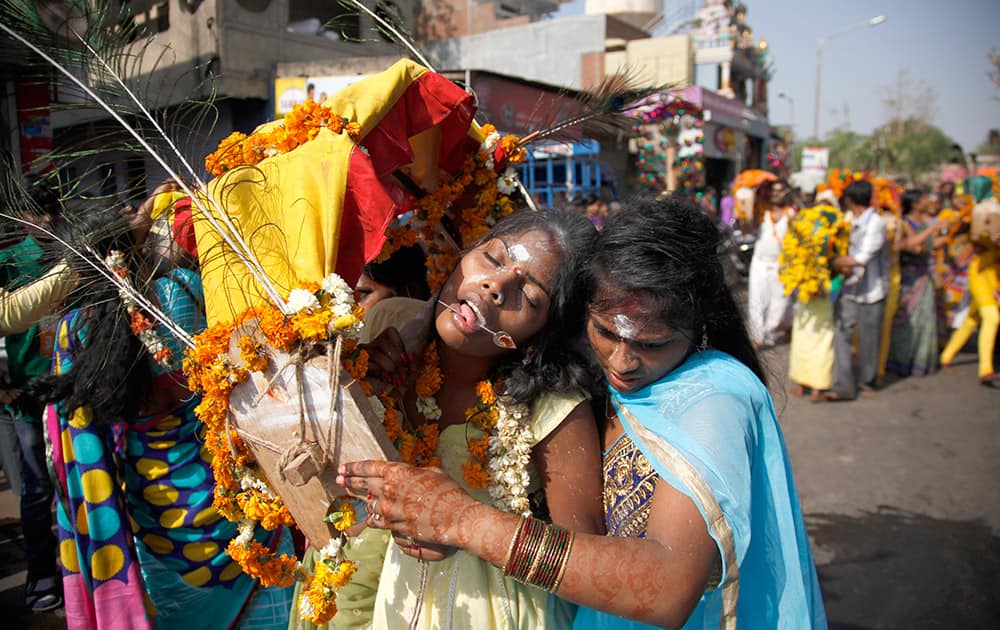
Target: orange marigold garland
{"points": [[299, 126], [314, 313], [474, 215]]}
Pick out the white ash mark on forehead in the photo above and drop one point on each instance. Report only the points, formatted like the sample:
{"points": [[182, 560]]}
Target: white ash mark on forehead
{"points": [[519, 253], [625, 326]]}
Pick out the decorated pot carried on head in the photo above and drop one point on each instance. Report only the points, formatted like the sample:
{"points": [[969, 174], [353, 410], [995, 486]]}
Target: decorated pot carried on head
{"points": [[748, 195]]}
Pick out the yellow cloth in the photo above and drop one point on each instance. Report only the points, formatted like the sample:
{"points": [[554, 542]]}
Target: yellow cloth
{"points": [[464, 591], [289, 206], [810, 360], [22, 308], [482, 596], [984, 313], [894, 225]]}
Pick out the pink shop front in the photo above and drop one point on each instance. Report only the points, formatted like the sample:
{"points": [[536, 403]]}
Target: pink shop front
{"points": [[693, 138]]}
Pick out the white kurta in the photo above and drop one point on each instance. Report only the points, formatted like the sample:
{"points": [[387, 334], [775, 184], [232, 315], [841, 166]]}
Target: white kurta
{"points": [[768, 309]]}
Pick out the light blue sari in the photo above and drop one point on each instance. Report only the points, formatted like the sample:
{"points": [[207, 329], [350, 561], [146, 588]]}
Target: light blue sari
{"points": [[709, 429]]}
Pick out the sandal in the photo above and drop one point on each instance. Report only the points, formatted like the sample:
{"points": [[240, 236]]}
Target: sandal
{"points": [[43, 595], [835, 397]]}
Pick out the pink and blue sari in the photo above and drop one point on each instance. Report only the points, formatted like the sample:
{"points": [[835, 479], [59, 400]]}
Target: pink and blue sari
{"points": [[140, 542]]}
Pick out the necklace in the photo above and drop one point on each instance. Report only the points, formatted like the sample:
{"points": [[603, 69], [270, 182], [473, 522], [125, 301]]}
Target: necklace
{"points": [[498, 457]]}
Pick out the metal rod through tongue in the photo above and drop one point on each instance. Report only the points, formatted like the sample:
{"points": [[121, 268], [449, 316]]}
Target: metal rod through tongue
{"points": [[501, 338]]}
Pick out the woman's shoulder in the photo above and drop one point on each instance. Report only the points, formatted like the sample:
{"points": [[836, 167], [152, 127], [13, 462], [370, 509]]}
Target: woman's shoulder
{"points": [[710, 374], [551, 408]]}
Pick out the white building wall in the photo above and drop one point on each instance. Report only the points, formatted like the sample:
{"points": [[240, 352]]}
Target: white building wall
{"points": [[549, 51]]}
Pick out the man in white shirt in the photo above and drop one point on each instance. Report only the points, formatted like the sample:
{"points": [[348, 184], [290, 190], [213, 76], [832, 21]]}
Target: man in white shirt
{"points": [[861, 304]]}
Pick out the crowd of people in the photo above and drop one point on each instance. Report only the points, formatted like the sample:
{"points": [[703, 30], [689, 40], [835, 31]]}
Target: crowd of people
{"points": [[658, 489], [874, 279], [583, 426]]}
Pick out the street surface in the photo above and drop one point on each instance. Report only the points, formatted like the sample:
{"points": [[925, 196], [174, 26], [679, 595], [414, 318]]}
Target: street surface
{"points": [[901, 495]]}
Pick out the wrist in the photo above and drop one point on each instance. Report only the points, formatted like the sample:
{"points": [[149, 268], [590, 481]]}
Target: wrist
{"points": [[489, 532]]}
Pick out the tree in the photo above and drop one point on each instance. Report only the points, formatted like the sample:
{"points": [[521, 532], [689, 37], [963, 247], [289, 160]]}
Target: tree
{"points": [[912, 147], [907, 100], [849, 149]]}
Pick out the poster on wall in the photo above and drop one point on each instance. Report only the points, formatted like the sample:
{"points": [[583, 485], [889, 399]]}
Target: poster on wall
{"points": [[292, 91], [723, 142]]}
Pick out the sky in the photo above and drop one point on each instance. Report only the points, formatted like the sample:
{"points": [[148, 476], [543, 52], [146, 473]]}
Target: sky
{"points": [[944, 45]]}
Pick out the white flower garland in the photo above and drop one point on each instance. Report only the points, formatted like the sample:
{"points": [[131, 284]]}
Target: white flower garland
{"points": [[154, 343], [509, 454], [507, 183]]}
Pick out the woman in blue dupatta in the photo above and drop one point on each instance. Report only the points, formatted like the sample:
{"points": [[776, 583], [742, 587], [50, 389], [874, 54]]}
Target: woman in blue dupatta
{"points": [[704, 524], [140, 543]]}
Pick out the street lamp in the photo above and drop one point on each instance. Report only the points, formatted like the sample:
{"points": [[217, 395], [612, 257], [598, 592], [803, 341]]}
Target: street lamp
{"points": [[875, 21], [791, 108]]}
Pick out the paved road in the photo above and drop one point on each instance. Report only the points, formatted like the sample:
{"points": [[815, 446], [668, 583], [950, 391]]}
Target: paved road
{"points": [[901, 495]]}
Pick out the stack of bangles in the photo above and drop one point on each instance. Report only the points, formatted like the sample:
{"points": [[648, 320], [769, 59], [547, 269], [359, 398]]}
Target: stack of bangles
{"points": [[538, 554]]}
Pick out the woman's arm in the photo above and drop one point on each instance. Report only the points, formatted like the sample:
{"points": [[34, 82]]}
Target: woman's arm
{"points": [[657, 580], [568, 461], [913, 242], [23, 307]]}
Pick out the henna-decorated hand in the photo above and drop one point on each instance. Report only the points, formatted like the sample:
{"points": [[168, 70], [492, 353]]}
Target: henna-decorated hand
{"points": [[424, 503]]}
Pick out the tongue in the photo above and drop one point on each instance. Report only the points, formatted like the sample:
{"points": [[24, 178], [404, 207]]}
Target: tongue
{"points": [[467, 314]]}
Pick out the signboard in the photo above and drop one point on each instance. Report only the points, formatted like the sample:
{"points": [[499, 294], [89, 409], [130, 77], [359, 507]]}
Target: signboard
{"points": [[292, 91], [815, 160], [723, 142], [34, 125]]}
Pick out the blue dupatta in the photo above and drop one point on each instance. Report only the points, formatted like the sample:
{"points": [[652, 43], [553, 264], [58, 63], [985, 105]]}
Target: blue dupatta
{"points": [[710, 430]]}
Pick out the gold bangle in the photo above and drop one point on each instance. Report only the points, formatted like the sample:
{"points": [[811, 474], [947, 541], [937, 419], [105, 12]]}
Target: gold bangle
{"points": [[565, 563], [538, 554], [513, 541]]}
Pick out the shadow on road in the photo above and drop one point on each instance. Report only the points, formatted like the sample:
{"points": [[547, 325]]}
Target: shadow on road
{"points": [[892, 568]]}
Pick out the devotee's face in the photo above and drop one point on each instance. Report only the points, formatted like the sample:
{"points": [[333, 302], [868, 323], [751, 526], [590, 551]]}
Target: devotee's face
{"points": [[504, 285], [932, 204], [370, 292], [633, 344], [779, 193]]}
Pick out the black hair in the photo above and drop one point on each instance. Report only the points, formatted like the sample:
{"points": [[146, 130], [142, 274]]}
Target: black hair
{"points": [[859, 192], [548, 361], [405, 272], [669, 250], [909, 199], [111, 372]]}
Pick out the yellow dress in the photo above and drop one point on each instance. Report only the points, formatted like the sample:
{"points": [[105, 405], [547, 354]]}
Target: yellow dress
{"points": [[469, 592], [464, 591], [810, 359]]}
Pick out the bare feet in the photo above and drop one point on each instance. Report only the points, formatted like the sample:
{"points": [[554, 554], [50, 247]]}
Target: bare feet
{"points": [[799, 391], [990, 380], [816, 395]]}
